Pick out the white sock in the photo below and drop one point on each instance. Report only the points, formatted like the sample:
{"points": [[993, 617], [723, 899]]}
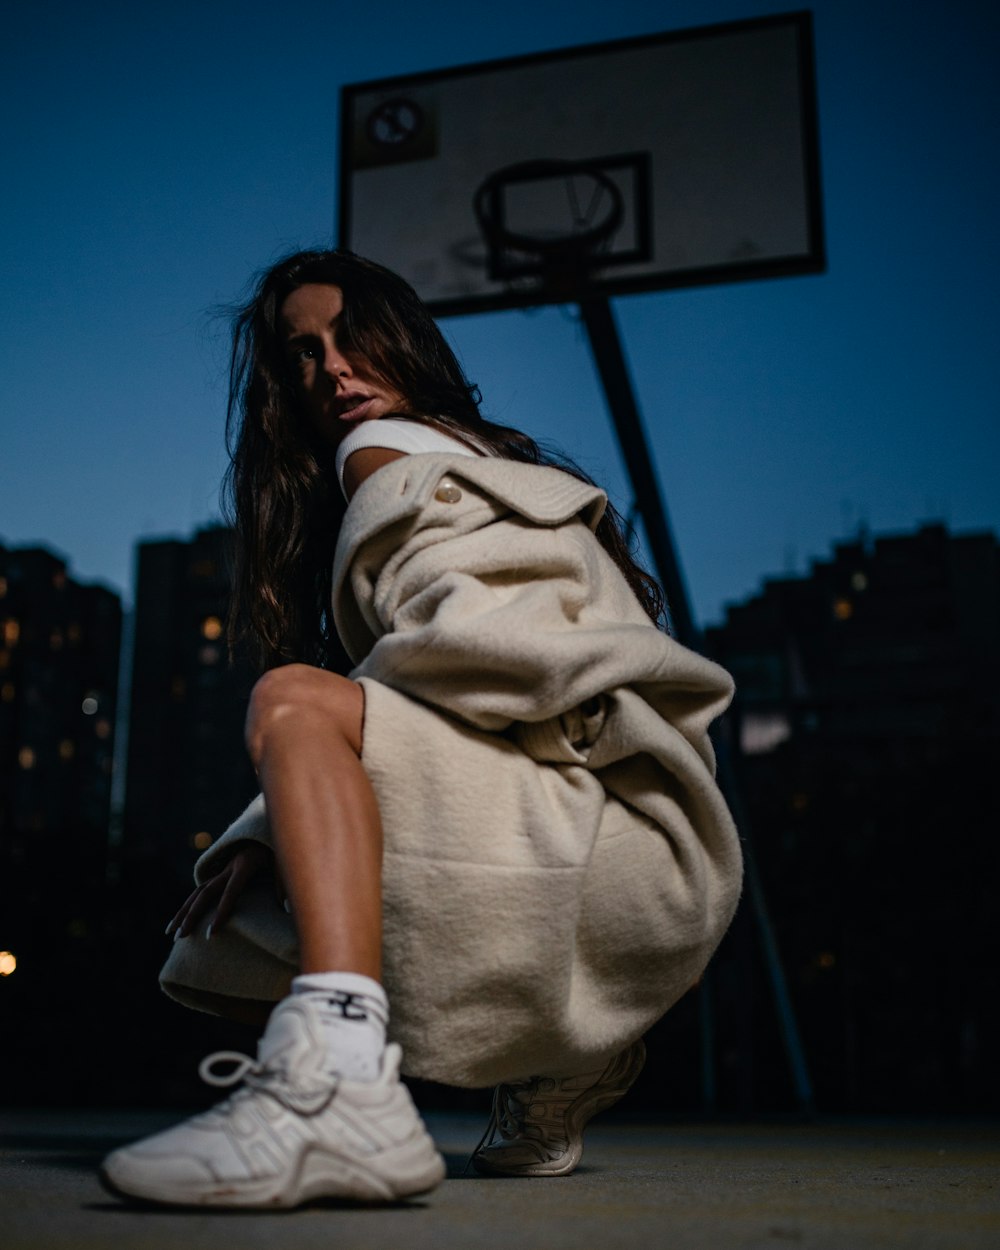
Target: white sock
{"points": [[353, 1012]]}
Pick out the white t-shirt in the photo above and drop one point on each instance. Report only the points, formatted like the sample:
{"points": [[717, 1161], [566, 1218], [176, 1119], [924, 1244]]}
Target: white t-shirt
{"points": [[408, 436]]}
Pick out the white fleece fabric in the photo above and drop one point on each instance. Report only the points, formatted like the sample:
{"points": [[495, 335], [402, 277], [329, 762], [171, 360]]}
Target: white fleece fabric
{"points": [[559, 862]]}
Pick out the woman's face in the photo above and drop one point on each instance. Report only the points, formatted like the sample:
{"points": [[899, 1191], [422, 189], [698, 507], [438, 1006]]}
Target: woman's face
{"points": [[337, 389]]}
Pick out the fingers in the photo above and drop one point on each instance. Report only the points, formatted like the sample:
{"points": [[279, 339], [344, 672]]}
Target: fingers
{"points": [[197, 905], [220, 894], [242, 871], [177, 920]]}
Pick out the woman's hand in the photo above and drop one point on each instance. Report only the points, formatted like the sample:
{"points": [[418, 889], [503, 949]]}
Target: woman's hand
{"points": [[220, 892]]}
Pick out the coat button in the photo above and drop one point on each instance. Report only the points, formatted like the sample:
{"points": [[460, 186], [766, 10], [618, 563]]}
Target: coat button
{"points": [[447, 492]]}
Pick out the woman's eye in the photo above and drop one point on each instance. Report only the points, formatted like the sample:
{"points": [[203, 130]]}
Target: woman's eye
{"points": [[300, 355]]}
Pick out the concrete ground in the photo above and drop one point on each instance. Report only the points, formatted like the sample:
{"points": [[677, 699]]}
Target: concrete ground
{"points": [[830, 1186]]}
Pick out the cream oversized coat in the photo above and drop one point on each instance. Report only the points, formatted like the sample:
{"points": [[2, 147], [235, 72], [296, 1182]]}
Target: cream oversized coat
{"points": [[559, 862]]}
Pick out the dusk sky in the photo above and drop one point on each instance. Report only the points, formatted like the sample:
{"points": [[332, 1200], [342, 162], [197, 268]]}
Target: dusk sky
{"points": [[156, 155]]}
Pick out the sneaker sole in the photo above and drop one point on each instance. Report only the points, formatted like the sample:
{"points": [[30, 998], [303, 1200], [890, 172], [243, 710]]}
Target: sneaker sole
{"points": [[578, 1115], [405, 1172]]}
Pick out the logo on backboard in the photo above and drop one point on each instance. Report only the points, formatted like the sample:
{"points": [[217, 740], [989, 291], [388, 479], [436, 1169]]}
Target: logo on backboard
{"points": [[395, 129]]}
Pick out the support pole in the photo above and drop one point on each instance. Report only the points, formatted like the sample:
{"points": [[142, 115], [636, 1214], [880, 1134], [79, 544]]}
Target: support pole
{"points": [[605, 343], [606, 346]]}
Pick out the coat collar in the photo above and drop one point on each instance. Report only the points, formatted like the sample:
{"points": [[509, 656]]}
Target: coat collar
{"points": [[404, 487], [399, 491]]}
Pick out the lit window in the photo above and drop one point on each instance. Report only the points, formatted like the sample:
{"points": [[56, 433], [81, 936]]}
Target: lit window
{"points": [[3, 587], [761, 732], [7, 963], [67, 749], [7, 692], [211, 628], [26, 757], [89, 706], [11, 632], [208, 655], [859, 581], [102, 728], [843, 609], [201, 841]]}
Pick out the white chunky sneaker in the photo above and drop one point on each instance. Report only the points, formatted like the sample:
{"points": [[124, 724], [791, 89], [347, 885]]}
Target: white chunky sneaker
{"points": [[292, 1133], [541, 1121]]}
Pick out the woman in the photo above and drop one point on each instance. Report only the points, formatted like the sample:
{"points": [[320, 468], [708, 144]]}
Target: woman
{"points": [[504, 821]]}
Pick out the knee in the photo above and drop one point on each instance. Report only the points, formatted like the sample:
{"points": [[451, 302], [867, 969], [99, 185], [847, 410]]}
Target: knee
{"points": [[289, 698]]}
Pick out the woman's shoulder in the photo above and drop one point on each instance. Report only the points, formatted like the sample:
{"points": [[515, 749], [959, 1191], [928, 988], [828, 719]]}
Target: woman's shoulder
{"points": [[395, 434]]}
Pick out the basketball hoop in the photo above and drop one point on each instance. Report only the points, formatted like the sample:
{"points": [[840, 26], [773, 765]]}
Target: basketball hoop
{"points": [[561, 259]]}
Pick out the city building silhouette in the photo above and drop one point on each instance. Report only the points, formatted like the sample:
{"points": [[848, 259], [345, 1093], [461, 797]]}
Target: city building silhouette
{"points": [[59, 657], [188, 772], [867, 718]]}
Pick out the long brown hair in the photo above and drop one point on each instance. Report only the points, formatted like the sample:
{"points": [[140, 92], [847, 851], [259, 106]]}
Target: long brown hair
{"points": [[281, 493]]}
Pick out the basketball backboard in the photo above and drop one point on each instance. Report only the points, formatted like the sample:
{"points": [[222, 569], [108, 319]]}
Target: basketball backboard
{"points": [[687, 157]]}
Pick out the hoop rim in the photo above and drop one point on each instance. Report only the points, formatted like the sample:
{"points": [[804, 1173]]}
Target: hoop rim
{"points": [[485, 199]]}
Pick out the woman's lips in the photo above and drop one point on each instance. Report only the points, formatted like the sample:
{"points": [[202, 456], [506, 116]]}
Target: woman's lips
{"points": [[357, 412]]}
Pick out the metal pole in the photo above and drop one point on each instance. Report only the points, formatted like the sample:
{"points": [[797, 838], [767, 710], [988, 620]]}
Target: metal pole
{"points": [[606, 346], [605, 343]]}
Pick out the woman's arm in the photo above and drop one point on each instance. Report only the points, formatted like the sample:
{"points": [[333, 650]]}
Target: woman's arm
{"points": [[517, 623], [363, 463]]}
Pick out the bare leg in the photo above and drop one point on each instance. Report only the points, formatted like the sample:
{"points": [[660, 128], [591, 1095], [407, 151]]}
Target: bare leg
{"points": [[360, 1140], [304, 735]]}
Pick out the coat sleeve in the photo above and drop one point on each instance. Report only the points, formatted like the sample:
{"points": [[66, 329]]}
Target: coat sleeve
{"points": [[516, 622]]}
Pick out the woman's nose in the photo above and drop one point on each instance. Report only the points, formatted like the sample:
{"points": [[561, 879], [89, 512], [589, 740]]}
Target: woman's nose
{"points": [[335, 363]]}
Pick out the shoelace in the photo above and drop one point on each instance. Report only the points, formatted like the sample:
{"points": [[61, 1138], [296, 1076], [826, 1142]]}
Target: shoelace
{"points": [[244, 1064], [271, 1078], [246, 1069]]}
